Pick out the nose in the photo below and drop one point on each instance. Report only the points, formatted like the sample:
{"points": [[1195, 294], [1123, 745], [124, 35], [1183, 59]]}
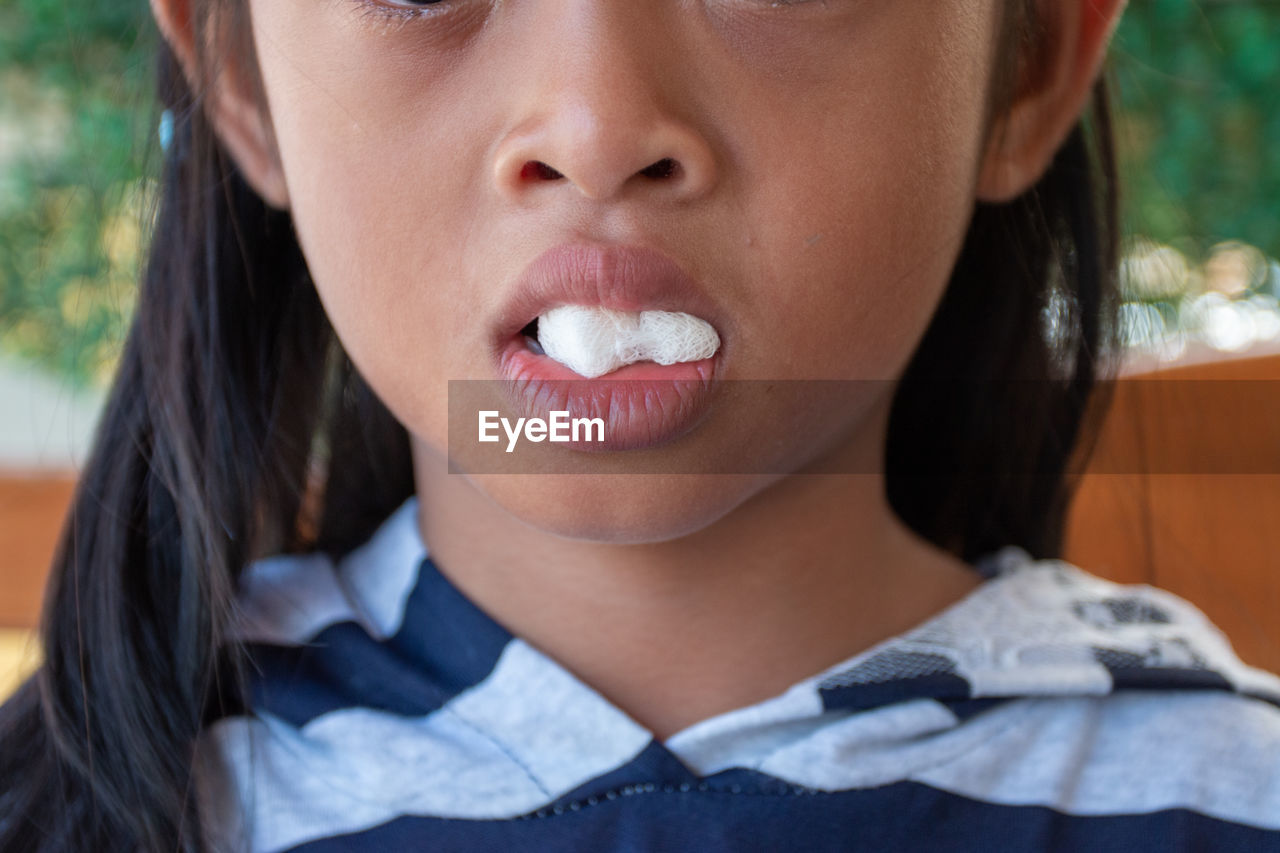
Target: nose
{"points": [[599, 108]]}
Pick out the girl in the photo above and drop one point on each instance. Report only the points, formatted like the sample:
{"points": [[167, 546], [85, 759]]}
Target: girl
{"points": [[279, 620]]}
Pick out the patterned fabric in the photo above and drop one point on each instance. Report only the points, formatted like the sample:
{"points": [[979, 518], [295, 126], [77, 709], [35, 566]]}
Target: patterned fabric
{"points": [[1047, 710]]}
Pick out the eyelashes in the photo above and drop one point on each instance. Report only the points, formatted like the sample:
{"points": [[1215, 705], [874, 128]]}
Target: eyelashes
{"points": [[399, 15], [384, 10]]}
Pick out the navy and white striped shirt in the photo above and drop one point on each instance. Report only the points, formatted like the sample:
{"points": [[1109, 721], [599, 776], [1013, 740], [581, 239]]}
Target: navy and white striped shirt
{"points": [[1047, 710]]}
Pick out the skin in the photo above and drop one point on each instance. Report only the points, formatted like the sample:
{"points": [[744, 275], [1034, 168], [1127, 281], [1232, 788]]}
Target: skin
{"points": [[830, 155]]}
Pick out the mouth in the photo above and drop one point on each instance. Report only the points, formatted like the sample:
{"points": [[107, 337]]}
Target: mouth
{"points": [[640, 405], [524, 357], [593, 342], [627, 279], [653, 386]]}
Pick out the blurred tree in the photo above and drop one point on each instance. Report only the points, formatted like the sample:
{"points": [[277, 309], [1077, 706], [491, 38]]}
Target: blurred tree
{"points": [[75, 137], [1199, 134]]}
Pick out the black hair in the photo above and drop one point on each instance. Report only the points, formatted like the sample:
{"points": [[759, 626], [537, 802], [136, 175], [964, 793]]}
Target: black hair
{"points": [[1000, 406], [237, 427]]}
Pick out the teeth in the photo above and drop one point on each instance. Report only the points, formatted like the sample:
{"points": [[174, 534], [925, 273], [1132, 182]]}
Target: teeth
{"points": [[594, 341], [534, 346]]}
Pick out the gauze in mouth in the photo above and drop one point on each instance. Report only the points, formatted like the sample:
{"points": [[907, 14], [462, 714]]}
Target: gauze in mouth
{"points": [[593, 341]]}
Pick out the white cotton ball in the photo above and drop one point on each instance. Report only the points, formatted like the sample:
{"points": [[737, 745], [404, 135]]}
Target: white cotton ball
{"points": [[594, 341], [584, 339], [672, 337]]}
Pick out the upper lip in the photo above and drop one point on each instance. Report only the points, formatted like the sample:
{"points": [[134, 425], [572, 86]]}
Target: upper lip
{"points": [[624, 278]]}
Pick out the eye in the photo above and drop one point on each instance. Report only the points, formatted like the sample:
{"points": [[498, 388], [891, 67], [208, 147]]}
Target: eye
{"points": [[757, 5], [402, 10]]}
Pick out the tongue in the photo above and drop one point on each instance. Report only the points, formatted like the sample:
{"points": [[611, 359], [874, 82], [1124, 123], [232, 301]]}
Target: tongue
{"points": [[594, 341]]}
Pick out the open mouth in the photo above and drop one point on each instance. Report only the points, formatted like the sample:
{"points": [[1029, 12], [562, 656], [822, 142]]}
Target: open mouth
{"points": [[621, 333], [524, 357], [642, 403], [594, 341]]}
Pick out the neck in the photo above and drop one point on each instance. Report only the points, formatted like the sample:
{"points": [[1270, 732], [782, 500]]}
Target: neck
{"points": [[803, 575]]}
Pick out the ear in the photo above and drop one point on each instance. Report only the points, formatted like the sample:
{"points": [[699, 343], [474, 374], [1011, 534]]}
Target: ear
{"points": [[230, 105], [1025, 139]]}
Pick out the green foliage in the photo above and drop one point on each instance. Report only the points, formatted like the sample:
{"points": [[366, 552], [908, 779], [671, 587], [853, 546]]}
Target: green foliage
{"points": [[1199, 133], [76, 143]]}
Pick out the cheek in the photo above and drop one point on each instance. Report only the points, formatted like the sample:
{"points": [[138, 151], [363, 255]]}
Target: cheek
{"points": [[854, 223], [364, 142], [858, 272]]}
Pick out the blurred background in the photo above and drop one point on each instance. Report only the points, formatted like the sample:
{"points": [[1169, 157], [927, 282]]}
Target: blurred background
{"points": [[1196, 85]]}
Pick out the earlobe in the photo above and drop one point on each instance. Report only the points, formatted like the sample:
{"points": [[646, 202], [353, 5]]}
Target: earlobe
{"points": [[1023, 142], [230, 106]]}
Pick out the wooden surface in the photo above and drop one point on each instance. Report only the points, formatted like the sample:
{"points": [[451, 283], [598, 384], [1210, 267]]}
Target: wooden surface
{"points": [[32, 507], [1183, 493]]}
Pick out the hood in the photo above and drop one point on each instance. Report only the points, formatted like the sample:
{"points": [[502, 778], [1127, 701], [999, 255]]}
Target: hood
{"points": [[1039, 628]]}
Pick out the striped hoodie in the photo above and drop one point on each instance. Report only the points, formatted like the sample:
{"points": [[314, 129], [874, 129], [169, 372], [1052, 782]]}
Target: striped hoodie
{"points": [[1046, 710]]}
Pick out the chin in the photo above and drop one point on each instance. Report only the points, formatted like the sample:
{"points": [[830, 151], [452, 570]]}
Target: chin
{"points": [[622, 509]]}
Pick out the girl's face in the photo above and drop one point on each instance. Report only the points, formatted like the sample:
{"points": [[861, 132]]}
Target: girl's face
{"points": [[827, 155]]}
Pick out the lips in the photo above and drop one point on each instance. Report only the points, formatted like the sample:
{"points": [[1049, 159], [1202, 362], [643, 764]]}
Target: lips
{"points": [[643, 404], [624, 278]]}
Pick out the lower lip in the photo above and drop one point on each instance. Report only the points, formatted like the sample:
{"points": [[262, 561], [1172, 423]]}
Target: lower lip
{"points": [[642, 405]]}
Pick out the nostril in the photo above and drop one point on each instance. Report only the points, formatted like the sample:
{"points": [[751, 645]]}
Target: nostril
{"points": [[664, 168], [539, 171]]}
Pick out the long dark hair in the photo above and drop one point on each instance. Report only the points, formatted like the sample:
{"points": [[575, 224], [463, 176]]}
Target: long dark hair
{"points": [[233, 394]]}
